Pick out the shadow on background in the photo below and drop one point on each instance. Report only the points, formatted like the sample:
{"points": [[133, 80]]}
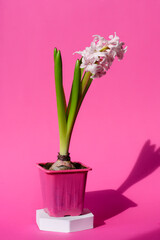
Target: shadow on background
{"points": [[106, 204], [147, 162]]}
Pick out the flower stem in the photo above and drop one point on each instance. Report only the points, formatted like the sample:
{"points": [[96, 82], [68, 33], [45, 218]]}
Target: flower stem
{"points": [[85, 80]]}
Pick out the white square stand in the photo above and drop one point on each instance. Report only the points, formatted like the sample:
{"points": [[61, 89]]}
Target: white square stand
{"points": [[64, 224]]}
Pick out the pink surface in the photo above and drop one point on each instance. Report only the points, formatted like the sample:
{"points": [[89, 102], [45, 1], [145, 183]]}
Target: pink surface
{"points": [[119, 114]]}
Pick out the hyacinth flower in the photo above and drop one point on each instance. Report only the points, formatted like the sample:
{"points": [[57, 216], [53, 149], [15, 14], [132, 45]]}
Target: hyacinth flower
{"points": [[94, 63]]}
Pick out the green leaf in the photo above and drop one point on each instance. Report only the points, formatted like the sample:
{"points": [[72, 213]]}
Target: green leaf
{"points": [[61, 103], [55, 53], [74, 98], [69, 102]]}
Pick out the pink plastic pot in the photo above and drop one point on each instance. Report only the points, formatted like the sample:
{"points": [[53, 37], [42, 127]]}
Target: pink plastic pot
{"points": [[63, 191]]}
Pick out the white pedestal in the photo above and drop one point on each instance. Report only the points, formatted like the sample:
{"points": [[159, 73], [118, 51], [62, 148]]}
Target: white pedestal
{"points": [[64, 224]]}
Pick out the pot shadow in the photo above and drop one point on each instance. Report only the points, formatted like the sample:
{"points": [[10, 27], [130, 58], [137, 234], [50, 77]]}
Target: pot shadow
{"points": [[105, 204], [147, 162]]}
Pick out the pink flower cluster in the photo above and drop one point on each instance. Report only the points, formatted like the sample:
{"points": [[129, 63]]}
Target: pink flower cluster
{"points": [[98, 58]]}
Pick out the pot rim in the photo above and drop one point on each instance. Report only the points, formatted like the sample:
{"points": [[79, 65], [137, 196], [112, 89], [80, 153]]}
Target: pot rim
{"points": [[86, 169]]}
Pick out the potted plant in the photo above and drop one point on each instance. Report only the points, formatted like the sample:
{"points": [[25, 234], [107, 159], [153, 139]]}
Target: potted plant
{"points": [[63, 182]]}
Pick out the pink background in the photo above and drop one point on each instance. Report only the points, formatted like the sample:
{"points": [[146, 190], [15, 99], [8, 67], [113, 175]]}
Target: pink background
{"points": [[119, 114]]}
